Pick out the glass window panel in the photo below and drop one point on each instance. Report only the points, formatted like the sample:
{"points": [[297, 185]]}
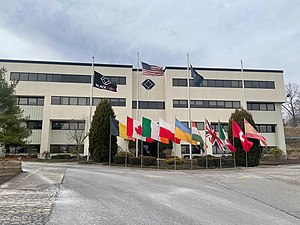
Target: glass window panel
{"points": [[14, 76], [32, 101], [255, 106], [247, 84], [204, 83], [200, 125], [235, 83], [183, 82], [236, 104], [249, 106], [263, 106], [24, 76], [212, 104], [270, 84], [255, 84], [122, 102], [40, 101], [85, 79], [49, 77], [65, 126], [64, 100], [42, 77], [219, 83], [82, 101], [81, 125], [262, 84], [211, 83], [23, 101], [228, 104], [73, 101], [160, 105], [263, 128], [73, 126], [227, 83], [96, 101], [57, 78], [33, 77], [56, 125], [221, 104], [55, 100], [271, 107]]}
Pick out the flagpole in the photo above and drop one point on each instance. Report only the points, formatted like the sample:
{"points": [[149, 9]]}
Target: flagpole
{"points": [[234, 162], [91, 106], [175, 158], [189, 108], [126, 152], [137, 102], [206, 161], [142, 152], [158, 155], [243, 85], [109, 155], [246, 159]]}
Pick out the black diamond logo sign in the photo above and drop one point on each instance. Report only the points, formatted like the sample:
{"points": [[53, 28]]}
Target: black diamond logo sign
{"points": [[148, 84]]}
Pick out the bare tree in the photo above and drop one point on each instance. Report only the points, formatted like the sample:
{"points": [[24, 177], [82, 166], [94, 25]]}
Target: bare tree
{"points": [[78, 133], [292, 104]]}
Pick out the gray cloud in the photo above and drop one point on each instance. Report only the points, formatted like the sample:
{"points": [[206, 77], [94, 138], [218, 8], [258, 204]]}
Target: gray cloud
{"points": [[265, 34]]}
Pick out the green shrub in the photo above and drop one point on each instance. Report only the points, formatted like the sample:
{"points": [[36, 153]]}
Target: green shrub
{"points": [[171, 160], [121, 157], [65, 156], [277, 153], [214, 162], [147, 161]]}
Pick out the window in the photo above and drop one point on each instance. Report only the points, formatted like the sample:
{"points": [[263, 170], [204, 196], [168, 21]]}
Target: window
{"points": [[29, 100], [33, 124], [179, 82], [148, 105], [185, 149], [266, 128], [260, 106], [66, 148], [68, 125], [199, 125], [33, 77], [214, 104], [180, 103], [259, 84]]}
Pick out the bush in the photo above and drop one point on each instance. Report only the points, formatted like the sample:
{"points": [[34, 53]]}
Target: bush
{"points": [[147, 161], [61, 156], [171, 160], [121, 156], [276, 153], [214, 162]]}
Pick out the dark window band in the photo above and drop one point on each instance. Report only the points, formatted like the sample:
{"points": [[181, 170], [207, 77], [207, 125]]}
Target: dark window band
{"points": [[30, 100], [180, 103], [84, 101], [261, 106], [148, 105]]}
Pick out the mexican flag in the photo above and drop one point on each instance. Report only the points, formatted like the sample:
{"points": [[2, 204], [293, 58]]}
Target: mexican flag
{"points": [[224, 138], [150, 129]]}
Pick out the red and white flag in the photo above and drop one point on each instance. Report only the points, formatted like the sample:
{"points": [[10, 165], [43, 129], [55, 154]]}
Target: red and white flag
{"points": [[238, 133], [250, 132], [167, 131], [134, 128]]}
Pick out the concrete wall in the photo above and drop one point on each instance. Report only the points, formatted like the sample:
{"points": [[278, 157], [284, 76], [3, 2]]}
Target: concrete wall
{"points": [[9, 169]]}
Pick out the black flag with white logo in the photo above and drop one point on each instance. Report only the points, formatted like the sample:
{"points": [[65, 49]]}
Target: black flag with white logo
{"points": [[103, 82]]}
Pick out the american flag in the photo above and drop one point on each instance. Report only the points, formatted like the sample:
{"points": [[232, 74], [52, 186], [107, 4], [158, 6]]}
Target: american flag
{"points": [[152, 70], [212, 135]]}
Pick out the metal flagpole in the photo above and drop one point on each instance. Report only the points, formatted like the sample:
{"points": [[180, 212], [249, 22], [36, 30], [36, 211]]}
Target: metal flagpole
{"points": [[142, 153], [91, 106], [189, 108], [126, 152], [175, 158], [234, 162], [206, 161], [109, 155], [243, 85], [158, 155], [137, 102], [246, 159]]}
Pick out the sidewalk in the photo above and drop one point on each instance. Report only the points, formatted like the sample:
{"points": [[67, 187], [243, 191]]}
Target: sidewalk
{"points": [[28, 198]]}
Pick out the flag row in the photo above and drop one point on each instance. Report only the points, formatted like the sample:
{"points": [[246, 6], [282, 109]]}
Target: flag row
{"points": [[149, 131]]}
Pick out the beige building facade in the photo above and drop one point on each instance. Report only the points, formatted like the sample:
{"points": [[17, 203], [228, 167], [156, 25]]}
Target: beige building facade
{"points": [[55, 98]]}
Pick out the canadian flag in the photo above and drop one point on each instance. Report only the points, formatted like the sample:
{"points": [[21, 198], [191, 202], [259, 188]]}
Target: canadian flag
{"points": [[134, 129], [237, 132]]}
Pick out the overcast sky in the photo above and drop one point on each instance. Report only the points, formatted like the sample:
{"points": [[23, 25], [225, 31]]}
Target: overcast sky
{"points": [[265, 34]]}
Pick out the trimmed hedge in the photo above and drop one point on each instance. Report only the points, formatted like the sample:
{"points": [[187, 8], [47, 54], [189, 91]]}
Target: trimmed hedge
{"points": [[214, 162], [171, 160], [147, 161], [121, 156], [65, 156]]}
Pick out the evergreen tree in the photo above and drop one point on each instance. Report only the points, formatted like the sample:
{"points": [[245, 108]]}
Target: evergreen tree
{"points": [[255, 152], [11, 131], [100, 132]]}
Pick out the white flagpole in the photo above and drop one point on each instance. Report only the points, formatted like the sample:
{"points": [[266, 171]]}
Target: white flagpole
{"points": [[137, 103], [175, 158], [244, 105], [91, 105], [206, 160], [158, 155], [189, 108]]}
